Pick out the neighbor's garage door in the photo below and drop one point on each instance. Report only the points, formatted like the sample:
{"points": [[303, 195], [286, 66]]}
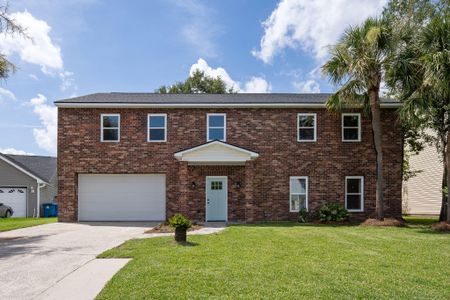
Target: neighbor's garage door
{"points": [[121, 197], [16, 198]]}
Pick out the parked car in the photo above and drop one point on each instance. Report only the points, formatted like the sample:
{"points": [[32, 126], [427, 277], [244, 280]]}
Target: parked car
{"points": [[5, 211]]}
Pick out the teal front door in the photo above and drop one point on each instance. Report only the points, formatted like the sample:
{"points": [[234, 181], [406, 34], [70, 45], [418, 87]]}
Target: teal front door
{"points": [[216, 198]]}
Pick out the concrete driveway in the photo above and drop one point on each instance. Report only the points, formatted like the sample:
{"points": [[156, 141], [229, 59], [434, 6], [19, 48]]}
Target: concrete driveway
{"points": [[34, 259]]}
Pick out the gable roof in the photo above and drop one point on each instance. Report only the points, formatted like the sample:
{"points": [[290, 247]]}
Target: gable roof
{"points": [[39, 167], [203, 100]]}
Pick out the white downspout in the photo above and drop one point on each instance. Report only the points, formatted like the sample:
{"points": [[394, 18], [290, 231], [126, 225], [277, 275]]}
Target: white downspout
{"points": [[38, 210]]}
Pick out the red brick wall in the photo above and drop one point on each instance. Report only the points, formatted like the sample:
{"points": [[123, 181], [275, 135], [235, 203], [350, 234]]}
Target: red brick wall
{"points": [[270, 132]]}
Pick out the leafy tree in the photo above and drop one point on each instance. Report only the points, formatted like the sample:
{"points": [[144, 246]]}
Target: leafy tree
{"points": [[198, 82], [8, 26], [420, 76], [358, 63]]}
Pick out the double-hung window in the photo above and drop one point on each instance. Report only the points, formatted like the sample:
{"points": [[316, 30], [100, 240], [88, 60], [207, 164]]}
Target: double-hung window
{"points": [[110, 127], [306, 127], [298, 197], [354, 193], [216, 127], [157, 128], [351, 127]]}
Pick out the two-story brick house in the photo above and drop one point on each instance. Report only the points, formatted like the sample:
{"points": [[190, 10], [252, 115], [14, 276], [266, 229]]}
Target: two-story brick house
{"points": [[229, 157]]}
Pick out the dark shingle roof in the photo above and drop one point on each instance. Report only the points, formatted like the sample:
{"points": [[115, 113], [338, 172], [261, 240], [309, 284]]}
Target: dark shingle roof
{"points": [[239, 98], [43, 167]]}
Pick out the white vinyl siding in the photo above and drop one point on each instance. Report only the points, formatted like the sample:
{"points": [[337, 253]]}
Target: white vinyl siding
{"points": [[298, 193]]}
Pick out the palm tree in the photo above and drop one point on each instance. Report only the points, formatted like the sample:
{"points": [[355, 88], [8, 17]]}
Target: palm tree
{"points": [[358, 63], [421, 76]]}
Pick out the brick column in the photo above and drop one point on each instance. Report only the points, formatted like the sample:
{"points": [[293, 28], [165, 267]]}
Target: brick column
{"points": [[248, 189], [183, 188]]}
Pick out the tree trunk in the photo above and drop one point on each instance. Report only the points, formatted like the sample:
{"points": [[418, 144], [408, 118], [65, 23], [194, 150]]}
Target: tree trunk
{"points": [[443, 213], [447, 160], [376, 130]]}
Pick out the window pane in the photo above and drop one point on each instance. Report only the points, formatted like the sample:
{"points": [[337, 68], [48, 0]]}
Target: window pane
{"points": [[306, 121], [216, 121], [157, 134], [353, 185], [298, 186], [298, 202], [110, 121], [110, 134], [216, 134], [351, 121], [157, 121], [306, 134], [351, 134], [354, 202]]}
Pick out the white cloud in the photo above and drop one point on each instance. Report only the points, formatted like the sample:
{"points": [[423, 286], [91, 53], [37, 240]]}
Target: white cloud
{"points": [[254, 85], [39, 49], [311, 25], [48, 115], [34, 77], [6, 95], [257, 85], [307, 86], [14, 151], [67, 80], [200, 30]]}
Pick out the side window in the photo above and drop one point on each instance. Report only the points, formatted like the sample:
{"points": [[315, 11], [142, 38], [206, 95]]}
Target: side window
{"points": [[157, 128], [216, 127], [298, 194], [354, 193], [110, 127], [351, 127], [306, 128]]}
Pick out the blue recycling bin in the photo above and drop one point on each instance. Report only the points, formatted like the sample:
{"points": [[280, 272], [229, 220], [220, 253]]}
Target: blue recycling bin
{"points": [[50, 210]]}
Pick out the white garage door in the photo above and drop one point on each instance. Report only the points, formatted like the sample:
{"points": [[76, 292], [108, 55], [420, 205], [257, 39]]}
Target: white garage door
{"points": [[121, 197], [16, 198]]}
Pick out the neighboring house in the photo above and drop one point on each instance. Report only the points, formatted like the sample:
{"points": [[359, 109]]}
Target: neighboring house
{"points": [[219, 157], [26, 182], [422, 194]]}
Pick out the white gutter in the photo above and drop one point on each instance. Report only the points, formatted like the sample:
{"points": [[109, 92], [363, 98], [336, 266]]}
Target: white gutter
{"points": [[201, 105], [38, 210]]}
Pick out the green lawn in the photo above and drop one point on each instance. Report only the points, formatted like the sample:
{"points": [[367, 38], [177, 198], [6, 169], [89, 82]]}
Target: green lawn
{"points": [[421, 220], [287, 261], [16, 223]]}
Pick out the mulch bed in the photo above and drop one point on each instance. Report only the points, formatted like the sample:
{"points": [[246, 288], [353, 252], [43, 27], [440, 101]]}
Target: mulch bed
{"points": [[441, 227], [166, 228], [386, 222]]}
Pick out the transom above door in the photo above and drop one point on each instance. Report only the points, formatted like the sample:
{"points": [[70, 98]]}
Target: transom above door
{"points": [[216, 198]]}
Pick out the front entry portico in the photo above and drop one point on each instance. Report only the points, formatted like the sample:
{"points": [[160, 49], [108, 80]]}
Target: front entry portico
{"points": [[216, 182]]}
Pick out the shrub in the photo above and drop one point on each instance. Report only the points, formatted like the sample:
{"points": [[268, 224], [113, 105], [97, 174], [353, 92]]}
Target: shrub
{"points": [[180, 221], [332, 212], [303, 216]]}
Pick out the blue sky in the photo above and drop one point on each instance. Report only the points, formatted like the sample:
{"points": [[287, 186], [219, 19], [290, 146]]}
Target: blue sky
{"points": [[86, 46]]}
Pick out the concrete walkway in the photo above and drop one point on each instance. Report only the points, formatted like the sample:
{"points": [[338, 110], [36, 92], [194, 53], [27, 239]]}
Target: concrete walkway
{"points": [[35, 259]]}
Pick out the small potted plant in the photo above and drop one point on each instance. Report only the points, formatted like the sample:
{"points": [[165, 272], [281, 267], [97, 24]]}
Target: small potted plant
{"points": [[181, 225]]}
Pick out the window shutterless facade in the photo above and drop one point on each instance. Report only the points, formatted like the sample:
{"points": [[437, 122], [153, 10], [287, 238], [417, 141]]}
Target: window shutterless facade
{"points": [[354, 193], [298, 194], [351, 127], [306, 127], [157, 127], [216, 127], [110, 127]]}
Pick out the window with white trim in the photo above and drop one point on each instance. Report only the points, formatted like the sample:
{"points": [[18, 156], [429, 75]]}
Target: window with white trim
{"points": [[306, 127], [354, 193], [216, 127], [110, 127], [298, 194], [351, 127], [157, 128]]}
